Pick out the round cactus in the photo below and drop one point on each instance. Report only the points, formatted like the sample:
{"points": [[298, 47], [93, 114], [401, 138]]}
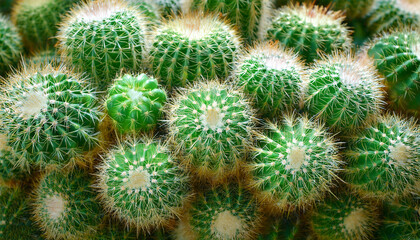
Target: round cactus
{"points": [[102, 37], [211, 124], [37, 20], [188, 48], [351, 8], [309, 30], [397, 57], [141, 184], [65, 206], [295, 162], [10, 45], [384, 158], [135, 103], [281, 229], [50, 116], [274, 78], [344, 92]]}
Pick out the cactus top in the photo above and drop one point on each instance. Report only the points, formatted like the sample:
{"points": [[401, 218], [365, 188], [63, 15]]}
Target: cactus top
{"points": [[99, 10]]}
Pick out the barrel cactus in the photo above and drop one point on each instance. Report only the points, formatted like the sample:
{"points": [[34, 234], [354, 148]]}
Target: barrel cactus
{"points": [[10, 45]]}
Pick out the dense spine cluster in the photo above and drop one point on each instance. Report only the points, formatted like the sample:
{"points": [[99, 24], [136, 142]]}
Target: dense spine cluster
{"points": [[10, 45]]}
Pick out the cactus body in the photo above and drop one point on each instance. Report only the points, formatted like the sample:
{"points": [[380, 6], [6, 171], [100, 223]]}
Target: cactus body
{"points": [[10, 45], [135, 103], [281, 229], [384, 158], [191, 47], [309, 29]]}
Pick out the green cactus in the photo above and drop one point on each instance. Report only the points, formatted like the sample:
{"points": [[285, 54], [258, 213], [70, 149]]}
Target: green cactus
{"points": [[351, 8], [273, 77], [384, 158], [37, 20], [65, 206], [102, 38], [295, 162], [344, 217], [10, 45], [135, 103], [211, 124], [188, 48], [50, 116], [251, 17], [281, 229], [344, 92], [310, 30], [140, 183], [397, 57], [148, 8]]}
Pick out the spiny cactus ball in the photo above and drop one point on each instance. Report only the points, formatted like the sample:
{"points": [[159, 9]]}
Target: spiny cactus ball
{"points": [[272, 77], [141, 184], [10, 45], [344, 92], [50, 116], [295, 162], [309, 30], [65, 206], [211, 124], [191, 47], [135, 103], [384, 158], [281, 228], [102, 37]]}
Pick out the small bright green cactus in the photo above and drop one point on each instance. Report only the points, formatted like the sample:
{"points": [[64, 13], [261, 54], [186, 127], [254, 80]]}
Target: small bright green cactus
{"points": [[344, 217], [309, 30], [249, 16], [135, 103], [50, 116], [281, 229], [140, 183], [295, 163], [384, 158], [37, 20], [65, 206], [102, 38], [351, 8], [344, 92], [10, 45], [211, 124], [274, 78], [188, 48], [397, 57]]}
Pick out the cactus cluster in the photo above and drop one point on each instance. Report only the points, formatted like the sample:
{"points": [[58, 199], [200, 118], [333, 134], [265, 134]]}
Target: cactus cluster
{"points": [[10, 45]]}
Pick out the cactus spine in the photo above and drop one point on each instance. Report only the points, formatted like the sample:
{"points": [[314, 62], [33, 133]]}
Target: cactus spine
{"points": [[10, 45]]}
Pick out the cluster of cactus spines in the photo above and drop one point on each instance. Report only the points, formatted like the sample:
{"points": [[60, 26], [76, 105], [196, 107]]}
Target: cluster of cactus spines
{"points": [[384, 158], [309, 30], [211, 124], [295, 163], [140, 183], [251, 17], [65, 206], [50, 116], [397, 57], [102, 38], [135, 103], [344, 92], [274, 78], [281, 228], [345, 217], [10, 45], [192, 47], [387, 14], [37, 20]]}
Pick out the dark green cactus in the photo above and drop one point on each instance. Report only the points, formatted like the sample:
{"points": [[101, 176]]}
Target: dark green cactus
{"points": [[10, 45]]}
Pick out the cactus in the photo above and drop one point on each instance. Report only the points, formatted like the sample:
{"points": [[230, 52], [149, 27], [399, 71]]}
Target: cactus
{"points": [[384, 158], [281, 229], [249, 16], [50, 116], [211, 124], [352, 8], [10, 45], [148, 8], [397, 57], [135, 103], [37, 20], [309, 30], [273, 77], [9, 173], [344, 217], [344, 92], [295, 162], [140, 183], [102, 37], [188, 48], [47, 56], [65, 206]]}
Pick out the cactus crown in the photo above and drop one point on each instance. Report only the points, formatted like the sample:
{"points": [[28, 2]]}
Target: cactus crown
{"points": [[315, 15]]}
